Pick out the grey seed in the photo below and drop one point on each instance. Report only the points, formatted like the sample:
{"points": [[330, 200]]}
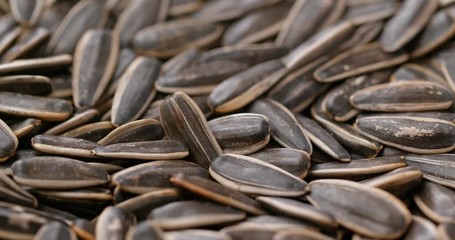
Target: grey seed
{"points": [[62, 87], [405, 96], [41, 64], [9, 32], [13, 193], [135, 90], [167, 39], [49, 109], [242, 133], [147, 150], [193, 214], [55, 231], [183, 121], [321, 138], [145, 177], [84, 15], [299, 210], [153, 111], [412, 71], [257, 26], [409, 20], [293, 161], [217, 193], [26, 84], [362, 12], [180, 61], [182, 7], [357, 168], [285, 128], [436, 168], [125, 57], [196, 234], [64, 146], [421, 228], [145, 230], [412, 134], [253, 176], [364, 34], [446, 230], [350, 208], [57, 173], [133, 18], [94, 63], [28, 41], [26, 12], [356, 61], [25, 127], [398, 181], [91, 132], [435, 201], [293, 234], [113, 223], [74, 121], [335, 15], [136, 131], [309, 13], [9, 141], [241, 89]]}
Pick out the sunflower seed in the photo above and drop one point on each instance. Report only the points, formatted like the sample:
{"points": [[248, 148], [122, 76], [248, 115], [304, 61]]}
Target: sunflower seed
{"points": [[236, 172], [421, 228], [137, 131], [397, 181], [27, 42], [25, 127], [350, 208], [91, 132], [196, 234], [243, 133], [180, 61], [362, 12], [135, 90], [182, 7], [64, 146], [13, 193], [26, 12], [435, 168], [42, 64], [302, 233], [412, 71], [57, 173], [26, 84], [76, 120], [293, 161], [435, 201], [145, 230], [182, 214], [55, 231], [113, 223]]}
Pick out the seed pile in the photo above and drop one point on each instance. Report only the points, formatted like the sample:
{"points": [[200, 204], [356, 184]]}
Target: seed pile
{"points": [[227, 119]]}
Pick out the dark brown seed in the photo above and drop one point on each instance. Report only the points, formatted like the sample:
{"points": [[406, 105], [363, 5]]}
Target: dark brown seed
{"points": [[183, 121], [293, 161], [26, 84], [303, 13], [145, 177], [147, 150], [217, 193], [412, 71], [285, 128], [435, 201], [55, 231], [22, 105], [182, 214], [412, 134], [27, 12], [145, 230], [242, 133], [167, 39], [357, 168], [84, 15], [13, 193], [137, 131], [421, 229], [181, 61], [28, 41], [351, 208], [253, 176], [135, 90], [64, 146], [26, 126], [91, 132], [42, 64], [398, 181], [241, 89], [94, 63], [57, 173], [8, 32], [125, 57], [134, 18], [436, 168], [113, 223], [357, 61], [76, 120], [62, 87]]}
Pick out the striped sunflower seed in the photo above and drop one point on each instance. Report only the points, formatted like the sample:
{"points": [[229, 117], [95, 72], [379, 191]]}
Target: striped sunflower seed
{"points": [[421, 228], [64, 146], [302, 233], [13, 193], [144, 230], [25, 127], [91, 132], [27, 12], [435, 201], [136, 131], [293, 161], [361, 12], [180, 61], [436, 168], [398, 181], [42, 64], [55, 230], [113, 223], [74, 121], [27, 84], [196, 234], [28, 41], [411, 71]]}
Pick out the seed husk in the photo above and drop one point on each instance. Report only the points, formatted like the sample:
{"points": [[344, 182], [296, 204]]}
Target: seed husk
{"points": [[61, 84], [13, 193], [356, 168], [57, 173], [27, 12], [196, 234], [182, 214], [421, 228], [84, 15], [25, 127], [408, 21], [217, 193], [350, 208], [361, 12], [145, 177], [435, 201], [74, 121], [412, 71], [398, 181], [182, 7], [23, 105], [406, 96], [446, 230], [55, 231], [164, 40], [133, 18], [113, 223], [64, 146], [180, 61], [321, 138], [91, 132], [43, 64], [356, 61], [135, 90], [9, 32], [94, 63], [308, 13], [26, 84], [28, 41], [183, 121], [253, 176], [412, 134], [145, 230], [242, 133], [293, 161], [436, 168], [285, 128], [309, 234], [136, 131], [146, 150], [241, 89], [299, 210]]}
